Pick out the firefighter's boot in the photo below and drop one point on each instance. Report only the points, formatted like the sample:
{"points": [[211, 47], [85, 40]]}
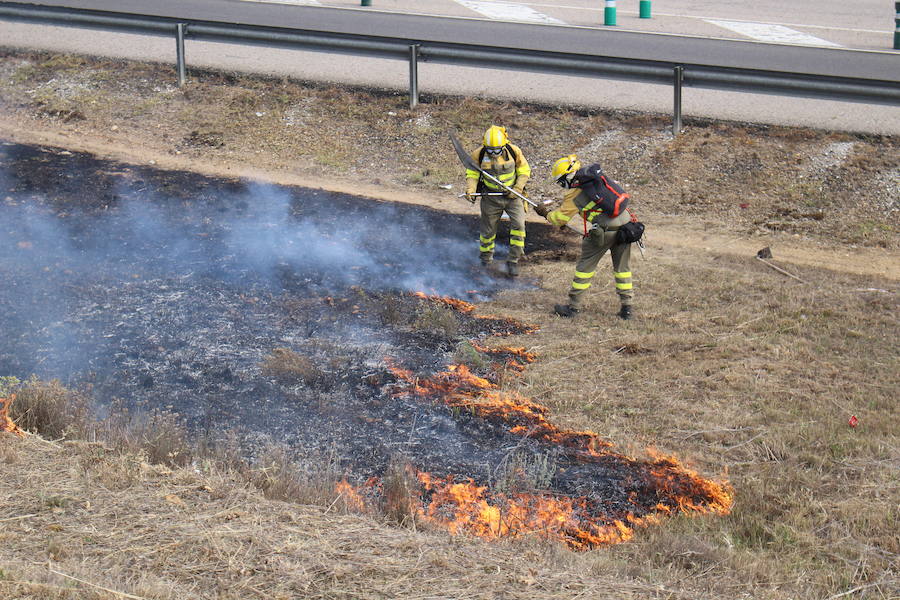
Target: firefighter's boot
{"points": [[625, 312], [565, 310], [512, 269]]}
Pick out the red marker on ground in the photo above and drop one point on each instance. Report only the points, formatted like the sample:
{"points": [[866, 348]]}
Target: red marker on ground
{"points": [[853, 421]]}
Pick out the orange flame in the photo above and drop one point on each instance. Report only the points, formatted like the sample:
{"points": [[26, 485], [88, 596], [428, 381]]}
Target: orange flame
{"points": [[350, 495], [458, 387], [683, 484], [6, 423], [469, 508], [467, 307], [466, 507], [454, 303], [517, 357]]}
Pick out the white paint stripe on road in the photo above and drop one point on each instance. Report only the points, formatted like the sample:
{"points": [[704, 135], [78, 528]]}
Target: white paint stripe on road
{"points": [[627, 11], [299, 2], [772, 33], [507, 11]]}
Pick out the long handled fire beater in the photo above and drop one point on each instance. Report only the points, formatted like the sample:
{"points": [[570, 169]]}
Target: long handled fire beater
{"points": [[470, 163]]}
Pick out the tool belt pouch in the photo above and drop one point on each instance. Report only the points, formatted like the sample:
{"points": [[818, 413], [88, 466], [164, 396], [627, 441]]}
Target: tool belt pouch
{"points": [[630, 232]]}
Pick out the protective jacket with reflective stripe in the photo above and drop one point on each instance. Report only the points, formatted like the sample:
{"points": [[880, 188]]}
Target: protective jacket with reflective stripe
{"points": [[509, 166], [575, 202]]}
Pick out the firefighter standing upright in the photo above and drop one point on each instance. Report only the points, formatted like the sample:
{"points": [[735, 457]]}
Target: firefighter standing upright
{"points": [[507, 163], [608, 226]]}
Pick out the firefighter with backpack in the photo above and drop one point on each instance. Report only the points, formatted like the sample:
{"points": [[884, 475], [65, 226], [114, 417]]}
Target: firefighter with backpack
{"points": [[507, 163], [608, 226]]}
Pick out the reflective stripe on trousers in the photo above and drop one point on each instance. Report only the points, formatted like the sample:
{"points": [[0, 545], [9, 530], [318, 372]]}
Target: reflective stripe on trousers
{"points": [[492, 208], [593, 247]]}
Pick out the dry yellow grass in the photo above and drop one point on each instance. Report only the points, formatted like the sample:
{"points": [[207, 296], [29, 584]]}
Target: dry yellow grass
{"points": [[737, 369]]}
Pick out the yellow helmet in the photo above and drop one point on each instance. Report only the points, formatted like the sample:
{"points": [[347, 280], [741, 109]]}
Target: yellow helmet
{"points": [[564, 169], [495, 138]]}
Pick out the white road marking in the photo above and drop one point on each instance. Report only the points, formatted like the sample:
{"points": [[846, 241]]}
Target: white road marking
{"points": [[626, 11], [298, 2], [772, 33], [507, 11]]}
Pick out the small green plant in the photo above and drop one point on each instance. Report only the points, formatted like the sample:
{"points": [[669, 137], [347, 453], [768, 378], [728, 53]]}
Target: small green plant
{"points": [[437, 319], [391, 312], [9, 385], [56, 501], [467, 354], [520, 471], [289, 367]]}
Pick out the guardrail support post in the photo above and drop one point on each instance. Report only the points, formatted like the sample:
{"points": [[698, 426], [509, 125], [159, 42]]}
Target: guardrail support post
{"points": [[897, 26], [609, 13], [645, 9], [679, 79], [179, 52], [413, 75], [365, 3]]}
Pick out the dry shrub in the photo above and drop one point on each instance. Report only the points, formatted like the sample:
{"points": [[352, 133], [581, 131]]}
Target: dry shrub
{"points": [[437, 319], [401, 492], [523, 472], [51, 410], [159, 435], [281, 477], [390, 311], [287, 366]]}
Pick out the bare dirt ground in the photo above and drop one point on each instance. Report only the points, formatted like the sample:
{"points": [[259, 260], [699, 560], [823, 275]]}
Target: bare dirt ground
{"points": [[744, 372]]}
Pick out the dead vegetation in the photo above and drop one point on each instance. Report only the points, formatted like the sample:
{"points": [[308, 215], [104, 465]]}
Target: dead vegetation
{"points": [[730, 365]]}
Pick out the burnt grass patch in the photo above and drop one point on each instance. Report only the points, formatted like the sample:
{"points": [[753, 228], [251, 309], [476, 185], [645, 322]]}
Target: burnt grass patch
{"points": [[302, 318]]}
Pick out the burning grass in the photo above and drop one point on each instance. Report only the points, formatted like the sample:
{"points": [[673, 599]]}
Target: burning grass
{"points": [[662, 486]]}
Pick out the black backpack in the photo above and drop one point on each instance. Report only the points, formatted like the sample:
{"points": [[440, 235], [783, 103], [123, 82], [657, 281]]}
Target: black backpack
{"points": [[607, 195]]}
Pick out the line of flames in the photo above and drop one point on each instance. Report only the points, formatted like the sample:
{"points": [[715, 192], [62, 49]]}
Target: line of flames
{"points": [[459, 388], [471, 508], [467, 307], [467, 508], [6, 423]]}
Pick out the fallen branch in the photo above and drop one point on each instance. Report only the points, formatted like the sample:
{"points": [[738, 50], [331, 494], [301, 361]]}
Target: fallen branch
{"points": [[99, 587], [779, 269], [854, 590], [19, 517]]}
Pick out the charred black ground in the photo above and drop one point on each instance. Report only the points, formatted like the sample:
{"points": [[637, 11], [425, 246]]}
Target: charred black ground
{"points": [[172, 291]]}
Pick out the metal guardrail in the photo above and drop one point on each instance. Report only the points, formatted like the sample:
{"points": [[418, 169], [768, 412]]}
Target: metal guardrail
{"points": [[648, 71]]}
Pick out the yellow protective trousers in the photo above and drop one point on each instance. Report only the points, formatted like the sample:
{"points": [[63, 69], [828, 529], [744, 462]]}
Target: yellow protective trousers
{"points": [[593, 247], [492, 208]]}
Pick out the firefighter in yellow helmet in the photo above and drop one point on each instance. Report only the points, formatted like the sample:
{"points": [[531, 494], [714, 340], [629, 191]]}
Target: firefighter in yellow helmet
{"points": [[608, 226], [507, 163]]}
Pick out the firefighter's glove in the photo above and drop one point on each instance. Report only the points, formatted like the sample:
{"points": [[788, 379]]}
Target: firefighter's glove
{"points": [[557, 218], [471, 197]]}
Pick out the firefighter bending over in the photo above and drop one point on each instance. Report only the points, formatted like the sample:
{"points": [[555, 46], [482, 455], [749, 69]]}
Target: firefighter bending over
{"points": [[507, 163], [608, 226]]}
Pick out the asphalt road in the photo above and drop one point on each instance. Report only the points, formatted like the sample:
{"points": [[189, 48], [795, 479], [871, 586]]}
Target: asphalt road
{"points": [[403, 18]]}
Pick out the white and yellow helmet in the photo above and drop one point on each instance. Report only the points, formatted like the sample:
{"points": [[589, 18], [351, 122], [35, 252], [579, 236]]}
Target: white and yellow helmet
{"points": [[495, 138], [564, 169]]}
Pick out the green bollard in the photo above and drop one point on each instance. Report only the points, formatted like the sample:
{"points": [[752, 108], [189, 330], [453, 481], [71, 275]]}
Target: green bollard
{"points": [[366, 3], [897, 26], [645, 9], [609, 13]]}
